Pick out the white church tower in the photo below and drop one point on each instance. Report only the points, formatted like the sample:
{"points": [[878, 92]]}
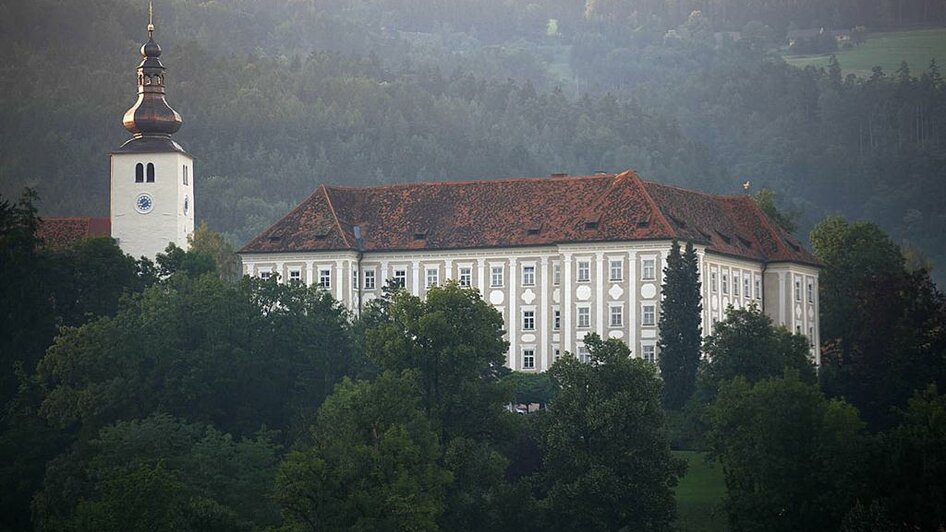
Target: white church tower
{"points": [[152, 180]]}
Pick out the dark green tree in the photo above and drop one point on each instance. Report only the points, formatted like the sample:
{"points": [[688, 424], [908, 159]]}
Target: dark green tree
{"points": [[681, 335], [607, 457], [370, 462], [792, 459], [136, 474], [746, 344]]}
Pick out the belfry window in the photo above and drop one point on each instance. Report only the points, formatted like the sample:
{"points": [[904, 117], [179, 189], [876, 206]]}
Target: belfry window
{"points": [[139, 173], [150, 172]]}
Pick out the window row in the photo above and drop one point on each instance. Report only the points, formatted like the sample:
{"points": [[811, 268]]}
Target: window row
{"points": [[809, 289], [145, 173], [744, 284], [527, 360]]}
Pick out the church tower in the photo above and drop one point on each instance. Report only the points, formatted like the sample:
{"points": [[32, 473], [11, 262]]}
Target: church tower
{"points": [[152, 180]]}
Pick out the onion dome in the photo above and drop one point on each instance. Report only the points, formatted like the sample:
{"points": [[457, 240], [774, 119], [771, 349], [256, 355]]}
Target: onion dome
{"points": [[151, 116]]}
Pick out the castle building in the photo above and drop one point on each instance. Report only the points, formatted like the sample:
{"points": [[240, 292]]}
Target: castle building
{"points": [[152, 177], [558, 257]]}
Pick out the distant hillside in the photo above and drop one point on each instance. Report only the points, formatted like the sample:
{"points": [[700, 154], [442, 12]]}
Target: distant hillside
{"points": [[886, 50]]}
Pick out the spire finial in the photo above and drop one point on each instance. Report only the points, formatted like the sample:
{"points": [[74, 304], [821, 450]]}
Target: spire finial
{"points": [[150, 19]]}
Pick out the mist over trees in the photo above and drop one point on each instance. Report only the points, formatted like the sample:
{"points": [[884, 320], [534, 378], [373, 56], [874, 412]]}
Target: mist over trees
{"points": [[278, 97]]}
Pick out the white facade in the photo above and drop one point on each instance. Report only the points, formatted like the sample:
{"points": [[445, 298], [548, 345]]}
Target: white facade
{"points": [[152, 201], [550, 297]]}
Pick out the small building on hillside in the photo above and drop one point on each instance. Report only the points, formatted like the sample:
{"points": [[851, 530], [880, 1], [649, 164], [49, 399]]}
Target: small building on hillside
{"points": [[558, 257]]}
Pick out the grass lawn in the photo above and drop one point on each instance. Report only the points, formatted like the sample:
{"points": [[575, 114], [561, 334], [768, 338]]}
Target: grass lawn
{"points": [[887, 49], [699, 495]]}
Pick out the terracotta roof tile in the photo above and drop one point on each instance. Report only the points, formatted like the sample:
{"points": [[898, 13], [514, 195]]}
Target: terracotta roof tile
{"points": [[524, 212], [58, 233]]}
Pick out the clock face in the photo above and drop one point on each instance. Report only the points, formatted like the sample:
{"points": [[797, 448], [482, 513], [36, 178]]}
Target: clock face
{"points": [[144, 203], [186, 204]]}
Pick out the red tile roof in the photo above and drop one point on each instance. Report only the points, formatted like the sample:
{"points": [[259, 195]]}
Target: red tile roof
{"points": [[526, 212], [62, 232]]}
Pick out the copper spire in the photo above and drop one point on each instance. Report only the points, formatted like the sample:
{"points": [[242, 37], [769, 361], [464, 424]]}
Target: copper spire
{"points": [[151, 116]]}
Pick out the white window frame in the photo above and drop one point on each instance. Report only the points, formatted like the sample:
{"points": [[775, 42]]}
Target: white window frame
{"points": [[649, 351], [810, 288], [758, 287], [615, 270], [649, 268], [466, 276], [528, 358], [431, 281], [496, 272], [556, 352], [528, 275], [619, 315], [265, 274], [399, 278], [644, 314], [370, 281], [797, 289], [583, 354], [725, 283], [325, 278], [580, 312], [714, 281], [583, 271], [747, 286], [528, 319], [295, 275], [556, 273], [556, 319], [735, 284]]}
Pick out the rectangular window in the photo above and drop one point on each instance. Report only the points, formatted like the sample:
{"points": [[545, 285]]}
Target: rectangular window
{"points": [[714, 282], [369, 279], [295, 275], [811, 336], [746, 292], [325, 279], [265, 275], [433, 277], [797, 289], [798, 329], [649, 270], [811, 292], [528, 320], [617, 316], [583, 354], [528, 359], [617, 270], [496, 276], [466, 277], [584, 271], [556, 353], [354, 277], [528, 276], [556, 319], [649, 353], [584, 317], [556, 274], [649, 316], [725, 283], [758, 288], [735, 285], [400, 279]]}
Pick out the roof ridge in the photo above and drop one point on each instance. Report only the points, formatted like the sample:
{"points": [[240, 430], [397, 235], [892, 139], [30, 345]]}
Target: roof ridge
{"points": [[650, 201], [472, 181], [691, 191], [331, 208]]}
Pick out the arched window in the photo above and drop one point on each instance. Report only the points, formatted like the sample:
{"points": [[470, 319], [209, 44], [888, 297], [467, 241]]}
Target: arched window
{"points": [[151, 172], [139, 173]]}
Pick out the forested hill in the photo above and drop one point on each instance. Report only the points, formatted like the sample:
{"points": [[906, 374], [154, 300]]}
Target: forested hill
{"points": [[279, 96]]}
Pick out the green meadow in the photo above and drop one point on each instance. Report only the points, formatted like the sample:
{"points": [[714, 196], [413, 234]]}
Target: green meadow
{"points": [[700, 495], [886, 49]]}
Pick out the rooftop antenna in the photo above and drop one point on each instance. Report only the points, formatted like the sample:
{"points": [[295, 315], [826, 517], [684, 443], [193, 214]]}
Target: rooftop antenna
{"points": [[150, 19]]}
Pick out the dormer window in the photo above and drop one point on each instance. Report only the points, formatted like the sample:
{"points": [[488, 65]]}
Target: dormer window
{"points": [[592, 222], [150, 172], [139, 173], [533, 231], [420, 235]]}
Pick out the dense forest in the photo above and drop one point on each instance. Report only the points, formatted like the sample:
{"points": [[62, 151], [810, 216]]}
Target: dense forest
{"points": [[278, 97]]}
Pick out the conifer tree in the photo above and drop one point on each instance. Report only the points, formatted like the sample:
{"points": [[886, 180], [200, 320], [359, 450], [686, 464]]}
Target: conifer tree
{"points": [[680, 329]]}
